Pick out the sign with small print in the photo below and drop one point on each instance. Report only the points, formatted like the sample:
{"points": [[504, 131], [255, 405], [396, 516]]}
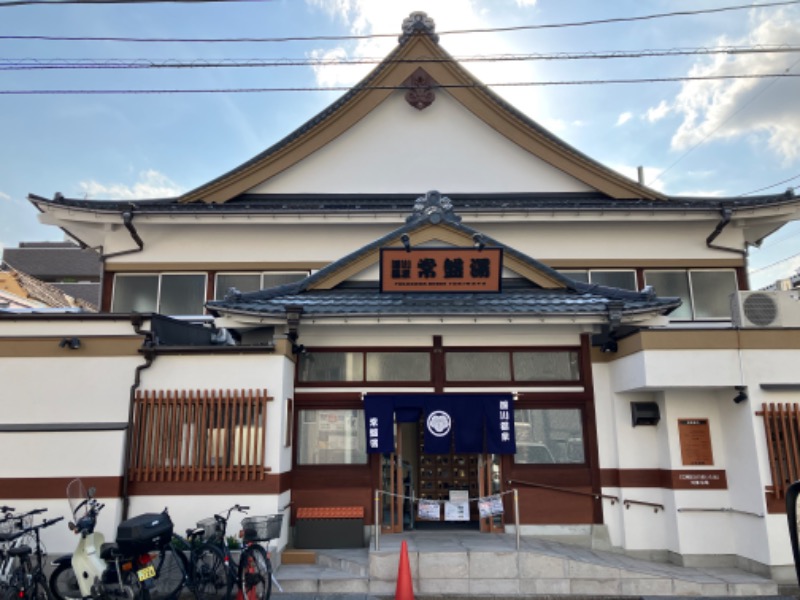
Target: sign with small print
{"points": [[695, 439]]}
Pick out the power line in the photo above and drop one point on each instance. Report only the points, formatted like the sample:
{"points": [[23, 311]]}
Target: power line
{"points": [[608, 21], [774, 185], [389, 87], [56, 2], [29, 64]]}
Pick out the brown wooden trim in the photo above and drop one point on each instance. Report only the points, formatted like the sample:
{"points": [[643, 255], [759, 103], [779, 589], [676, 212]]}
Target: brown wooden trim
{"points": [[273, 483], [644, 263], [212, 267], [91, 346], [703, 339], [590, 425], [775, 506], [24, 488], [679, 479]]}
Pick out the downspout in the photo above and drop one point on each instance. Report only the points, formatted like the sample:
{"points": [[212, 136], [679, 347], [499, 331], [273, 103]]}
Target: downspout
{"points": [[149, 356], [127, 221], [726, 213]]}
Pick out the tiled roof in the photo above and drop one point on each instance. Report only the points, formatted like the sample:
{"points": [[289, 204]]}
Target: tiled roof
{"points": [[401, 203], [592, 300], [53, 263]]}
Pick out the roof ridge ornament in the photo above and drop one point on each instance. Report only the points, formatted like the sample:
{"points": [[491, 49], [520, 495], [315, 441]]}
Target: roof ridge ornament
{"points": [[418, 22], [435, 208]]}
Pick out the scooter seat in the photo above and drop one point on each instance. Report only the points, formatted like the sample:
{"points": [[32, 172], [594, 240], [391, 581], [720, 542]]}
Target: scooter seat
{"points": [[108, 551], [19, 551]]}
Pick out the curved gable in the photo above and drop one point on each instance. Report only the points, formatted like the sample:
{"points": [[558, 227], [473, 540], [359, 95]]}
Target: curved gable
{"points": [[418, 51]]}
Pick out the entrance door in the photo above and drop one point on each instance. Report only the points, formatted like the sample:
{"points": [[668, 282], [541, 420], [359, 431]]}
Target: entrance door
{"points": [[391, 499], [489, 483]]}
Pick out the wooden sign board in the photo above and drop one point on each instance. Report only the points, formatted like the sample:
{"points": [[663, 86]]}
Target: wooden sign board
{"points": [[695, 438], [441, 269]]}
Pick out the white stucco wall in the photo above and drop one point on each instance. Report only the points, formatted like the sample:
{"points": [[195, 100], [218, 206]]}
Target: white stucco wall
{"points": [[399, 149]]}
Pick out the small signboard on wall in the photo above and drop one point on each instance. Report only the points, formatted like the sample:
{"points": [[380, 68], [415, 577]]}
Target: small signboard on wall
{"points": [[695, 439], [441, 270]]}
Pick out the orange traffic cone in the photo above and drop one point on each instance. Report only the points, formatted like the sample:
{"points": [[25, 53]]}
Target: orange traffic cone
{"points": [[405, 588]]}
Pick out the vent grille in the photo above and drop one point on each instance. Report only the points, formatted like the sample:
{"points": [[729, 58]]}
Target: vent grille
{"points": [[760, 309]]}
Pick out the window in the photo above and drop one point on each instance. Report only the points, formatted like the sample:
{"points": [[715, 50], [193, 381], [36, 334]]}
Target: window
{"points": [[211, 435], [549, 436], [517, 366], [331, 437], [167, 293], [319, 366], [252, 282], [624, 279], [705, 293]]}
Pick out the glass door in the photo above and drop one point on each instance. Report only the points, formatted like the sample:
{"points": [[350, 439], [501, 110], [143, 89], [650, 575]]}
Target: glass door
{"points": [[489, 483]]}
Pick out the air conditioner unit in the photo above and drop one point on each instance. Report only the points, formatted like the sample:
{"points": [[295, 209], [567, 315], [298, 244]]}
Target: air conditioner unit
{"points": [[766, 309]]}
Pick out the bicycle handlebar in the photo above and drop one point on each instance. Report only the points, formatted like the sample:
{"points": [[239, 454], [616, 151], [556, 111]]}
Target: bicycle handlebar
{"points": [[7, 509]]}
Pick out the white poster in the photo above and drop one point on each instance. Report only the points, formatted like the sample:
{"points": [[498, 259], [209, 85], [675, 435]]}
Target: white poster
{"points": [[490, 506], [429, 510]]}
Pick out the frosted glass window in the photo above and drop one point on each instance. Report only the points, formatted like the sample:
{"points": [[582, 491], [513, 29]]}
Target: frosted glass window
{"points": [[672, 283], [546, 366], [549, 435], [712, 291], [398, 366], [269, 280], [182, 294], [135, 293], [625, 280], [582, 276], [244, 282], [331, 437], [331, 366], [477, 366]]}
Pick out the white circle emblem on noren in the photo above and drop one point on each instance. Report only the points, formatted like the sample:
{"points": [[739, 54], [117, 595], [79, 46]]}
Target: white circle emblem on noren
{"points": [[439, 423]]}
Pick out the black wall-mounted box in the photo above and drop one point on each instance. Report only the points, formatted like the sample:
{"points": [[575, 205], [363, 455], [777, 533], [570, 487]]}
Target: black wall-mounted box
{"points": [[644, 413]]}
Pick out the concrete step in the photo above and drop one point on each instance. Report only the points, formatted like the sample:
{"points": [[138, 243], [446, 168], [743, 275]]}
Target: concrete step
{"points": [[489, 565]]}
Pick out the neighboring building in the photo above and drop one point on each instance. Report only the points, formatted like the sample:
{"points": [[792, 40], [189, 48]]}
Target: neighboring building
{"points": [[335, 291], [74, 270], [21, 291]]}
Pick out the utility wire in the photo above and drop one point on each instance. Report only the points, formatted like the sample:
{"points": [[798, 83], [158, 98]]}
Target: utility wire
{"points": [[56, 2], [26, 64], [774, 185], [391, 87], [683, 13]]}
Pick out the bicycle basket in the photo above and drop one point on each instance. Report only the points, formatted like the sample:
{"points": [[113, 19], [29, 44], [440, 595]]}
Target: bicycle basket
{"points": [[15, 524], [261, 529], [210, 527]]}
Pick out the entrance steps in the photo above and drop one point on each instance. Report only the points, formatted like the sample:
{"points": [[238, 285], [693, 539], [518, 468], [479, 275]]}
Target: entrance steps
{"points": [[480, 564]]}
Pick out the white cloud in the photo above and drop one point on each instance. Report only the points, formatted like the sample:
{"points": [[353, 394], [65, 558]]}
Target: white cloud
{"points": [[658, 112], [5, 197], [624, 118], [365, 17], [151, 184], [526, 3], [762, 110]]}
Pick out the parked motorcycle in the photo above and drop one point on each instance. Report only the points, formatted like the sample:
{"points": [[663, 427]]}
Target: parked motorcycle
{"points": [[121, 571]]}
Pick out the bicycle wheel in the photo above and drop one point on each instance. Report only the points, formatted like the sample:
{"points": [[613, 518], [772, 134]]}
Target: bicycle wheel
{"points": [[38, 589], [255, 574], [211, 574], [64, 584], [172, 571]]}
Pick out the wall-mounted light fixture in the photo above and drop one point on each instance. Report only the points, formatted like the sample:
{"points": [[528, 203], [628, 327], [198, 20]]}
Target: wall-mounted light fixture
{"points": [[72, 343], [645, 413], [741, 396], [406, 242], [609, 346], [478, 241]]}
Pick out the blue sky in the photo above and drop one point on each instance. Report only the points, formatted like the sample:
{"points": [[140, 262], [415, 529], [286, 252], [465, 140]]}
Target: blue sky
{"points": [[717, 137]]}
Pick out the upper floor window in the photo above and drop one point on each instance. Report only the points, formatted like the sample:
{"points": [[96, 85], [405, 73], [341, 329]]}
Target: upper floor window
{"points": [[624, 279], [705, 292], [165, 293], [252, 282]]}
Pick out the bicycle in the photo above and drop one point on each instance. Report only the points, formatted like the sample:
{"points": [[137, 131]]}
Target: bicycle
{"points": [[28, 581], [10, 525], [253, 572]]}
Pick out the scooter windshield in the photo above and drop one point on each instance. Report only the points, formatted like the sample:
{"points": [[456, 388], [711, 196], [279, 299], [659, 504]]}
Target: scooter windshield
{"points": [[78, 498]]}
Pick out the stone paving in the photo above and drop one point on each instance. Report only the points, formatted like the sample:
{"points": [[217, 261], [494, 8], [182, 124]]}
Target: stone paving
{"points": [[489, 565]]}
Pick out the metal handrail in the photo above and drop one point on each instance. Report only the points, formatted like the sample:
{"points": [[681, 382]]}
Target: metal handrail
{"points": [[594, 495], [655, 506], [731, 510]]}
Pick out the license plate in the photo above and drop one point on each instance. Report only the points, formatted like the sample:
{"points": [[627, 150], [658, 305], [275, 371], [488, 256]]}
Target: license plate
{"points": [[147, 573]]}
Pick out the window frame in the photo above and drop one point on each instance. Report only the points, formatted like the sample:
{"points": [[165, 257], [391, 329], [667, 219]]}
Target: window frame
{"points": [[260, 274]]}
